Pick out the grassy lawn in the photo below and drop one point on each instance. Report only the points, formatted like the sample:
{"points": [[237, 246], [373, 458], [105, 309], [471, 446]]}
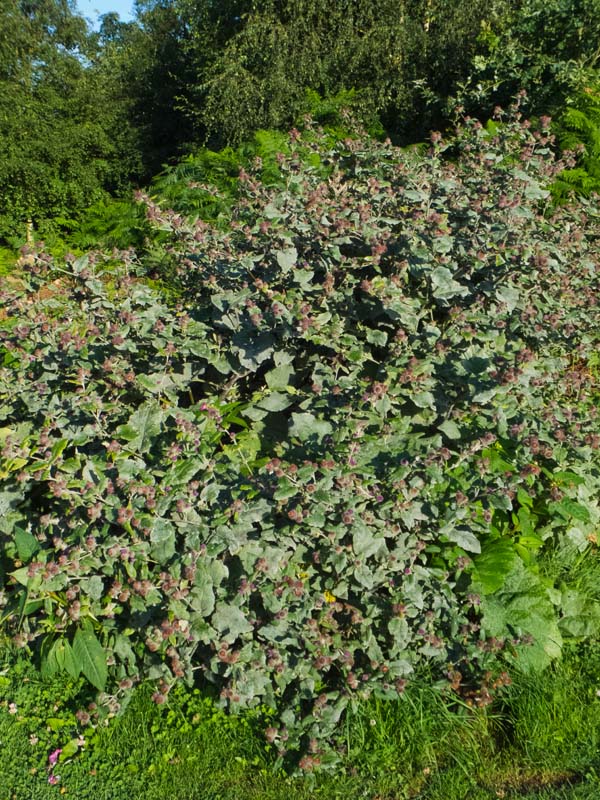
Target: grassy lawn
{"points": [[538, 740]]}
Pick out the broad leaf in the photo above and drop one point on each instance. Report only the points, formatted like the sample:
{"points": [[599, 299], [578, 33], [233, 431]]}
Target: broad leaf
{"points": [[90, 657], [143, 426], [306, 426]]}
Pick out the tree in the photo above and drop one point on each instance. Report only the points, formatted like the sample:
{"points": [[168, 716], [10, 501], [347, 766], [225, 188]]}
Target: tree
{"points": [[550, 48], [401, 58], [59, 146]]}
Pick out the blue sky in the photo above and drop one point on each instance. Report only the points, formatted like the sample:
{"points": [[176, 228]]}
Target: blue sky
{"points": [[92, 9]]}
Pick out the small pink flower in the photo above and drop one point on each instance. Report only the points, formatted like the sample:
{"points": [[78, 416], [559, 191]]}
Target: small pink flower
{"points": [[53, 779], [12, 708], [53, 757]]}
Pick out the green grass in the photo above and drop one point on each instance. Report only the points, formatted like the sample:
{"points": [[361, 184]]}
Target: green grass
{"points": [[540, 739]]}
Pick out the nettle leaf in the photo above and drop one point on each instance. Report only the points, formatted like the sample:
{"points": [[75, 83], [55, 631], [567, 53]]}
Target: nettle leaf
{"points": [[90, 657], [143, 426], [306, 426]]}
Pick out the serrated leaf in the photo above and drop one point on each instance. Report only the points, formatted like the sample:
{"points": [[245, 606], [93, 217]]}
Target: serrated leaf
{"points": [[9, 499], [423, 400], [202, 598], [565, 477], [508, 295], [90, 657], [523, 606], [285, 489], [364, 543], [378, 338], [275, 402], [93, 587], [252, 350], [156, 383]]}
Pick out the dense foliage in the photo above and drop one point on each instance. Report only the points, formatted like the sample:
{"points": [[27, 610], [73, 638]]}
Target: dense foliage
{"points": [[86, 115], [64, 143], [340, 455]]}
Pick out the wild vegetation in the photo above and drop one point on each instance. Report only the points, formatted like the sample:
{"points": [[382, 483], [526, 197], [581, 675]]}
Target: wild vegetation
{"points": [[308, 425]]}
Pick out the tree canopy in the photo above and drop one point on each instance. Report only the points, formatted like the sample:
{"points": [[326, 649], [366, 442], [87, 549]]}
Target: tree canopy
{"points": [[85, 115]]}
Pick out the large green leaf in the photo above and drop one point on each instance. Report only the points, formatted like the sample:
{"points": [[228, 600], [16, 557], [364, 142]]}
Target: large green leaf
{"points": [[279, 377], [90, 657], [463, 538], [306, 426], [65, 658], [27, 544], [183, 471], [230, 621], [252, 350], [494, 563], [444, 285], [162, 537], [287, 258], [143, 426], [524, 607]]}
